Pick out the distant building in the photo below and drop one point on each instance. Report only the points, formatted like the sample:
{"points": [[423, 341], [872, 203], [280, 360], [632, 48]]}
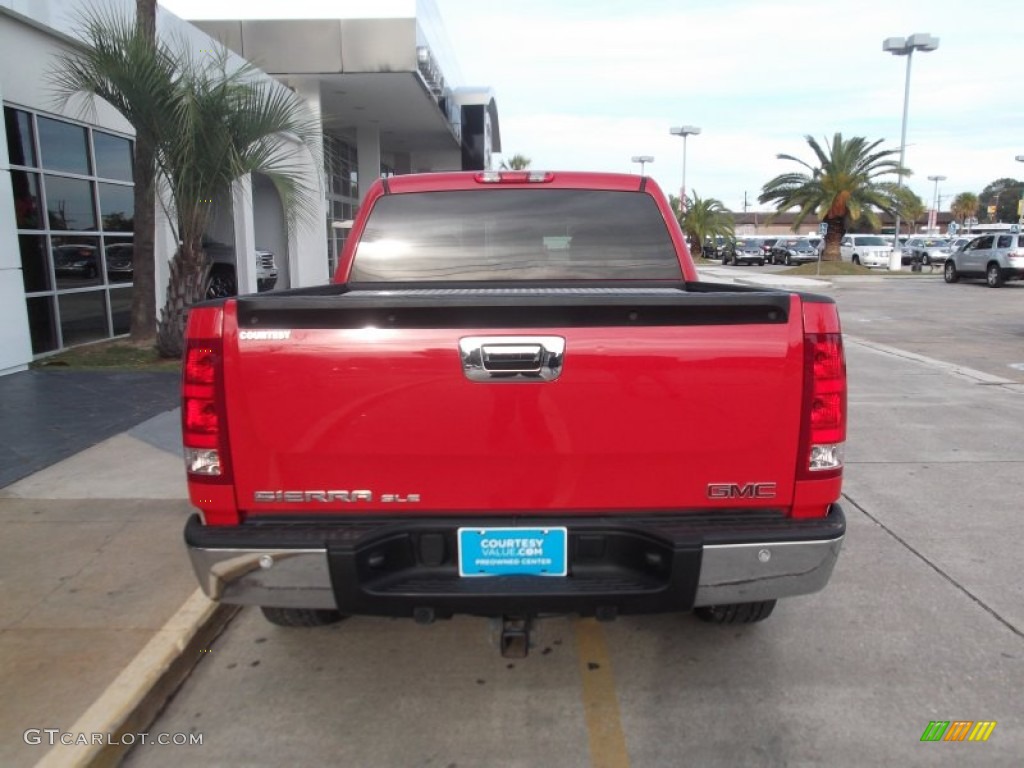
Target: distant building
{"points": [[770, 223], [390, 99]]}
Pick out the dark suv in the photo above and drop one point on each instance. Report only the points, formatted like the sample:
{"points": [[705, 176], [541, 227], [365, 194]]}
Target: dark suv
{"points": [[793, 250], [745, 250]]}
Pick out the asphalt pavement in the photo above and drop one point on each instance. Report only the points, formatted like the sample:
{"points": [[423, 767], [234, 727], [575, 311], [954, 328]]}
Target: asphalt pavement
{"points": [[923, 619]]}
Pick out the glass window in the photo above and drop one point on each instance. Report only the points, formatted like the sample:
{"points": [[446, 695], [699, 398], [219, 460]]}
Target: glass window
{"points": [[113, 156], [121, 310], [63, 146], [35, 267], [76, 261], [83, 316], [70, 204], [1005, 241], [27, 205], [21, 149], [41, 324], [117, 207], [982, 242], [515, 234], [119, 256]]}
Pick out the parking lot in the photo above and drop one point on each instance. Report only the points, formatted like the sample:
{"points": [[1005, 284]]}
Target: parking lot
{"points": [[923, 620]]}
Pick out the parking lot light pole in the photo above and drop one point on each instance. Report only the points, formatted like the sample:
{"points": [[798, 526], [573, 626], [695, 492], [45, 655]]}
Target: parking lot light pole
{"points": [[934, 223], [905, 46], [684, 131], [643, 160], [1020, 205]]}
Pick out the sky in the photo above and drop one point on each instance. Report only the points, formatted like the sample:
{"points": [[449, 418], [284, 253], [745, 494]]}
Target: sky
{"points": [[588, 84]]}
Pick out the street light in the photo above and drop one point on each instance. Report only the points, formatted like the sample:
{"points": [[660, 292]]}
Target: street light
{"points": [[1020, 205], [643, 159], [933, 219], [684, 131], [905, 46]]}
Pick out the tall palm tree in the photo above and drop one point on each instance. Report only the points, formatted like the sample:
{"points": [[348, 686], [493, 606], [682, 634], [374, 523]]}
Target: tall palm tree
{"points": [[843, 184], [123, 65], [965, 206], [516, 163], [212, 123], [704, 218]]}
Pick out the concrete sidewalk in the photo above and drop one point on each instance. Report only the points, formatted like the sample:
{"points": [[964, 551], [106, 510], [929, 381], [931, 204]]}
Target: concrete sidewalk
{"points": [[93, 569]]}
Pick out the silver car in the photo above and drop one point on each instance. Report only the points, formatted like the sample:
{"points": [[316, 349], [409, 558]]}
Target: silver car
{"points": [[926, 251], [996, 258]]}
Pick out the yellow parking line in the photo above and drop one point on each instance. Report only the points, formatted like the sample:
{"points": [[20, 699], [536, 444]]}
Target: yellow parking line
{"points": [[600, 702]]}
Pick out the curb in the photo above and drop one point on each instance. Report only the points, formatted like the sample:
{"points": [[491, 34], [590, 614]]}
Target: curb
{"points": [[133, 700]]}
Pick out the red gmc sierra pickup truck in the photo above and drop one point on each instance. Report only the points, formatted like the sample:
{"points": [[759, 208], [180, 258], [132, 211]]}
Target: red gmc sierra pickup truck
{"points": [[516, 398]]}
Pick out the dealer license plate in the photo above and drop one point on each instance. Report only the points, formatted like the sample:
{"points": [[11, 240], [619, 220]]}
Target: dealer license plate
{"points": [[513, 551]]}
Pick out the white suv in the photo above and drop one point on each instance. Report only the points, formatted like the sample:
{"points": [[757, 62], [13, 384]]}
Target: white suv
{"points": [[997, 258], [867, 250]]}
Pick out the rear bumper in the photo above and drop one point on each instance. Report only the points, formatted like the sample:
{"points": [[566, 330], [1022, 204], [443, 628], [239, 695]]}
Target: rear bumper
{"points": [[397, 567]]}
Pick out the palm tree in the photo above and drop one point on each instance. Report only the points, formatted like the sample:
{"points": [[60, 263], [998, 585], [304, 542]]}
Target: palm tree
{"points": [[910, 207], [516, 163], [965, 206], [123, 66], [843, 185], [705, 218], [212, 123]]}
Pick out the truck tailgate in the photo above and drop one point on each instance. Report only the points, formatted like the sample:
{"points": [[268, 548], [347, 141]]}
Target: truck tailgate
{"points": [[361, 402]]}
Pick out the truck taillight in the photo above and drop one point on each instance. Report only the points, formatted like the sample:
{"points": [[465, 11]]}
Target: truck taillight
{"points": [[823, 432], [514, 177], [202, 411]]}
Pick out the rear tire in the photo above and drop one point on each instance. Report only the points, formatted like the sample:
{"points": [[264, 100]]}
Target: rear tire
{"points": [[789, 260], [301, 617], [856, 260], [739, 613], [949, 273], [994, 276], [222, 284]]}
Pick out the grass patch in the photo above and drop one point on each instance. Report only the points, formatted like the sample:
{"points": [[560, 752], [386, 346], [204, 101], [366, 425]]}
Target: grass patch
{"points": [[111, 355]]}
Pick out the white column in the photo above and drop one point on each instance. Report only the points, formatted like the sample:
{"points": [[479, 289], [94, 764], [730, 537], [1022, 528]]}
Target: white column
{"points": [[15, 339], [307, 240], [164, 246], [368, 151], [245, 235]]}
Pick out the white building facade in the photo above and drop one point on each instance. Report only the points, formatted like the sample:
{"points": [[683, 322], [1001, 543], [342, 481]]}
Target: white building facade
{"points": [[389, 102]]}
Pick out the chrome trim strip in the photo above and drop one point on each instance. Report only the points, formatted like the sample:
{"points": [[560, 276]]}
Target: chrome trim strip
{"points": [[742, 573], [295, 578]]}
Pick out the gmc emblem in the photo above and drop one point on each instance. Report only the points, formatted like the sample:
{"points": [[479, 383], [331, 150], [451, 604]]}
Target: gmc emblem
{"points": [[745, 491]]}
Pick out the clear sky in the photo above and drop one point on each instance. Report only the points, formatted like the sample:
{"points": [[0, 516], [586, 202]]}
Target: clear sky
{"points": [[587, 84]]}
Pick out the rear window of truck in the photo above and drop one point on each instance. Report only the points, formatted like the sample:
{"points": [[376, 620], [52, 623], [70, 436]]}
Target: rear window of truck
{"points": [[515, 234]]}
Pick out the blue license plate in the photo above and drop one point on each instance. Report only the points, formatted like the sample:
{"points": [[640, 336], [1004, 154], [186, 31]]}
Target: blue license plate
{"points": [[513, 551]]}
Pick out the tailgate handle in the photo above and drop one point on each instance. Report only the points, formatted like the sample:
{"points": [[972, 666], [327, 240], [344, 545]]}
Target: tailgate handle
{"points": [[512, 358]]}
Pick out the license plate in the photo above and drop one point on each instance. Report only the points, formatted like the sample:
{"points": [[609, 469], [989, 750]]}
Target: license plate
{"points": [[513, 551]]}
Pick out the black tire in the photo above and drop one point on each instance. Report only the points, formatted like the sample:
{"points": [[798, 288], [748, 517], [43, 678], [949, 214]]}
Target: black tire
{"points": [[949, 273], [739, 613], [926, 260], [789, 260], [222, 284], [994, 276], [760, 262], [856, 260], [300, 617]]}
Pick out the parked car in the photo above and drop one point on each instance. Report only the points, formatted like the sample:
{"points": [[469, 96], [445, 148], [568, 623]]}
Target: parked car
{"points": [[120, 262], [745, 250], [793, 250], [223, 281], [75, 261], [818, 242], [926, 251], [866, 250], [767, 243], [957, 243], [996, 258], [715, 248]]}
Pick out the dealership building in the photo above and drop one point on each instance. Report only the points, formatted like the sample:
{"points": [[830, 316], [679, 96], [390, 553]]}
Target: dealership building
{"points": [[389, 97]]}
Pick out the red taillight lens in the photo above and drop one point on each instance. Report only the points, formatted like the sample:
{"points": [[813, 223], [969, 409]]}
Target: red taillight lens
{"points": [[202, 411], [824, 425]]}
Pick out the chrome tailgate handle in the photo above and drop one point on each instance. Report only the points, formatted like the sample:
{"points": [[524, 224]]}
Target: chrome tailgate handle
{"points": [[512, 358]]}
